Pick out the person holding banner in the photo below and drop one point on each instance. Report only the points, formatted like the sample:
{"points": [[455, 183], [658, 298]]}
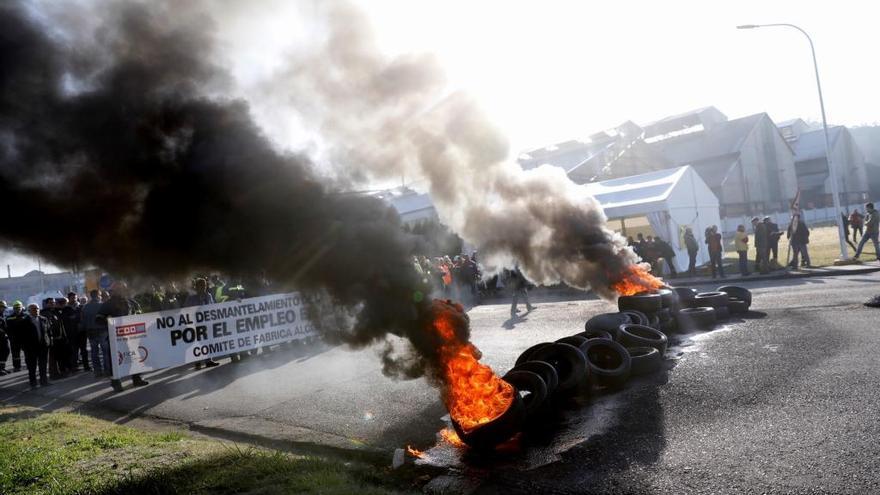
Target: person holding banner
{"points": [[201, 298], [119, 305]]}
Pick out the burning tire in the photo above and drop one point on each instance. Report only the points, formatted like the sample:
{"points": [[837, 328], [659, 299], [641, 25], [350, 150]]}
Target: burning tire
{"points": [[646, 302], [575, 340], [711, 299], [531, 388], [526, 354], [635, 316], [653, 321], [498, 430], [735, 292], [569, 361], [596, 334], [609, 362], [606, 321], [643, 336], [737, 306], [696, 318], [544, 369], [645, 360]]}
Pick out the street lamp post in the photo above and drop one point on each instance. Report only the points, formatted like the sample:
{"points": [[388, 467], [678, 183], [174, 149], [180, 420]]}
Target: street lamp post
{"points": [[835, 191]]}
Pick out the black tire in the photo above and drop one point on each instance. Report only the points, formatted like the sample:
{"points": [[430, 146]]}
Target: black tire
{"points": [[667, 297], [696, 318], [532, 383], [664, 315], [575, 340], [608, 361], [645, 302], [545, 369], [596, 334], [570, 364], [740, 293], [643, 336], [526, 354], [711, 299], [737, 306], [500, 429], [685, 294], [635, 316], [645, 360], [722, 313], [670, 326], [653, 322], [606, 321]]}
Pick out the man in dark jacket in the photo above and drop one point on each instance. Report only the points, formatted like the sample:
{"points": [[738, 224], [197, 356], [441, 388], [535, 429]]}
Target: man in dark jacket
{"points": [[664, 250], [518, 285], [119, 305], [872, 230], [4, 339], [14, 324], [773, 235], [96, 332], [59, 352], [36, 340], [70, 317], [693, 248], [762, 245], [799, 236], [200, 298]]}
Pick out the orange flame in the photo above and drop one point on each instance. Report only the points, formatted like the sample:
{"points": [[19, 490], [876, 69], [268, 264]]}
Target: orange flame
{"points": [[449, 436], [473, 393], [634, 280], [414, 452]]}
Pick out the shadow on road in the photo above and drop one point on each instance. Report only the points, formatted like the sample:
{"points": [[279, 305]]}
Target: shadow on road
{"points": [[174, 383]]}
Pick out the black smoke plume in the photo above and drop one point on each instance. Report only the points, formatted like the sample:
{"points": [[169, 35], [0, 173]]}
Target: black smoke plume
{"points": [[113, 153]]}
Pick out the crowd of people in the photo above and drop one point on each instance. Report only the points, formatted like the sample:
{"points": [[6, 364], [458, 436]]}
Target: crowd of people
{"points": [[66, 335], [654, 250], [457, 277]]}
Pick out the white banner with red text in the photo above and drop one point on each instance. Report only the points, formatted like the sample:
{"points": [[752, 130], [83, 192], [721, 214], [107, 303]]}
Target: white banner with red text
{"points": [[164, 339]]}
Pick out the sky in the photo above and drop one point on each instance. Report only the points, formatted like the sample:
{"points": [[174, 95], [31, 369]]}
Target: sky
{"points": [[550, 71]]}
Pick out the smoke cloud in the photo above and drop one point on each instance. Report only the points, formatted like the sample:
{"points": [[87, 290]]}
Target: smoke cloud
{"points": [[383, 117], [118, 149], [112, 153]]}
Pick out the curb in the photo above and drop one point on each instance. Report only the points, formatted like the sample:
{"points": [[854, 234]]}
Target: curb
{"points": [[680, 282], [786, 274]]}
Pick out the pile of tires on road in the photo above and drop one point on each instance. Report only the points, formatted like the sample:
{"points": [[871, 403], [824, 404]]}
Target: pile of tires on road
{"points": [[612, 348]]}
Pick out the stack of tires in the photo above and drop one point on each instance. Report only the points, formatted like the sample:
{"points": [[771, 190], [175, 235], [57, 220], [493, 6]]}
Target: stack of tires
{"points": [[612, 348], [702, 310]]}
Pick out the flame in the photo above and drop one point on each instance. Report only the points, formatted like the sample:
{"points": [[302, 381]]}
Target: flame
{"points": [[414, 452], [634, 280], [449, 436], [473, 393]]}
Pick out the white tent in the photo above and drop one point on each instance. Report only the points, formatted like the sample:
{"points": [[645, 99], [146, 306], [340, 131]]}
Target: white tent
{"points": [[671, 199]]}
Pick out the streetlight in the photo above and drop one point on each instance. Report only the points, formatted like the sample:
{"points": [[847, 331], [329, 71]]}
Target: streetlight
{"points": [[831, 171]]}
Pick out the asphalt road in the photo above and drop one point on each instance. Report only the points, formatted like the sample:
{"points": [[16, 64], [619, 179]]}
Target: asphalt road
{"points": [[786, 401]]}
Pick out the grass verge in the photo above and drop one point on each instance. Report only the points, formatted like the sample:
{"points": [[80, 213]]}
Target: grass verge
{"points": [[65, 453]]}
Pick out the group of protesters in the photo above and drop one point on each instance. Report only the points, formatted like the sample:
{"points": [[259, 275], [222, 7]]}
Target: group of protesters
{"points": [[654, 250], [66, 335], [456, 277]]}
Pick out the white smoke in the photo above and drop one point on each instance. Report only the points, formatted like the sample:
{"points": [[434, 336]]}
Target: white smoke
{"points": [[383, 117]]}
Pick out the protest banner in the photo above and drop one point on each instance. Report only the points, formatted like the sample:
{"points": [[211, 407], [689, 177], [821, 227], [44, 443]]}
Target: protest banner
{"points": [[152, 341]]}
